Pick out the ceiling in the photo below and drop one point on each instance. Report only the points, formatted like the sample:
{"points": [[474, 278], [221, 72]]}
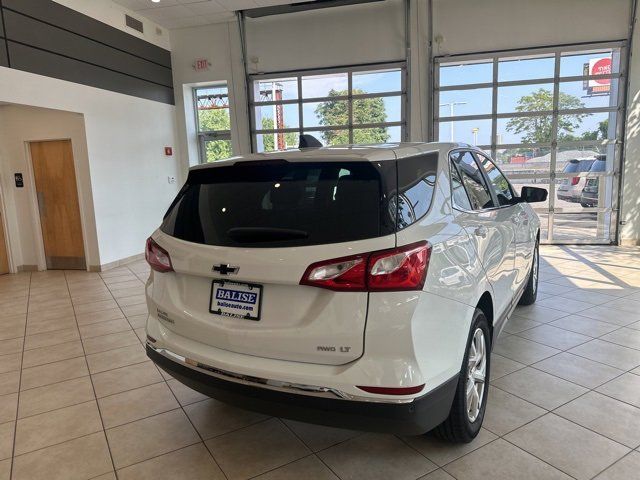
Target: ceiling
{"points": [[189, 13]]}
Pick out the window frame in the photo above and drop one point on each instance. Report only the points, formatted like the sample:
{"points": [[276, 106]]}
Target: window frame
{"points": [[478, 154], [210, 135], [299, 101], [482, 174]]}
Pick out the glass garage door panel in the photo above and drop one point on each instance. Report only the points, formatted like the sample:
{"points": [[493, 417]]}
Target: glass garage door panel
{"points": [[550, 120]]}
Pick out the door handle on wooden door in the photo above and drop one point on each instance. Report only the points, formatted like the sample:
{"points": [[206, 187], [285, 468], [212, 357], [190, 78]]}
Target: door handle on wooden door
{"points": [[41, 204]]}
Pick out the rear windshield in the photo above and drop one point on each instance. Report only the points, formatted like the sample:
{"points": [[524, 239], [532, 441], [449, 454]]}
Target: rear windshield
{"points": [[277, 203], [599, 166], [579, 166]]}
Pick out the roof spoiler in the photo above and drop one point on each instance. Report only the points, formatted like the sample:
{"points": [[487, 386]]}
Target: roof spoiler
{"points": [[309, 141]]}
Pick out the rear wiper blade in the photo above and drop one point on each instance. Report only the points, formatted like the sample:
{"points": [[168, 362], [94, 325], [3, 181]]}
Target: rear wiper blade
{"points": [[265, 234]]}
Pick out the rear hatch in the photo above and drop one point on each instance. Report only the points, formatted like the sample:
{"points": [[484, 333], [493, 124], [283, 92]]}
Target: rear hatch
{"points": [[240, 238]]}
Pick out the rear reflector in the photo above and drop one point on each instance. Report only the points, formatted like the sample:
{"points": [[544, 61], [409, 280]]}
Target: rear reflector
{"points": [[393, 390], [575, 181], [401, 268], [157, 257]]}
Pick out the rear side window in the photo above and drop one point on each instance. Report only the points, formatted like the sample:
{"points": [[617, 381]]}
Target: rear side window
{"points": [[497, 181], [578, 166], [416, 181], [277, 204], [598, 166], [472, 179], [460, 198]]}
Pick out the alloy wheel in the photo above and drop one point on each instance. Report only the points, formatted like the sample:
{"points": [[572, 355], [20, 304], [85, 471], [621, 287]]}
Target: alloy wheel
{"points": [[476, 373]]}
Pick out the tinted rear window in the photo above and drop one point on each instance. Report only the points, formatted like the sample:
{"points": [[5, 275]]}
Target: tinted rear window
{"points": [[276, 204]]}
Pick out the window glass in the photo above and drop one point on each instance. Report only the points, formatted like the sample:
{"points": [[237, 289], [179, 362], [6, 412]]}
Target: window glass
{"points": [[416, 181], [466, 73], [460, 197], [214, 122], [377, 82], [497, 180], [473, 180], [283, 204]]}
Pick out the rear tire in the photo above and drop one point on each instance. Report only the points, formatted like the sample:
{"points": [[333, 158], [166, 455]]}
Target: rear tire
{"points": [[467, 411], [531, 290]]}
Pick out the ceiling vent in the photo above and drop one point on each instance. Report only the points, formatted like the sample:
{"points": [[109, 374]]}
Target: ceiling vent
{"points": [[134, 23]]}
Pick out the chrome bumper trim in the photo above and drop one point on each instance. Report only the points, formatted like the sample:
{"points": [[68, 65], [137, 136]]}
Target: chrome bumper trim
{"points": [[297, 388]]}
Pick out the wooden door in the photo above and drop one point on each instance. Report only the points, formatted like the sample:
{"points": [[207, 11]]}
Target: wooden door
{"points": [[55, 180], [4, 257]]}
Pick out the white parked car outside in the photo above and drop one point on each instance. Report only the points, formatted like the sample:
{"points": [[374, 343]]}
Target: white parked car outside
{"points": [[360, 287]]}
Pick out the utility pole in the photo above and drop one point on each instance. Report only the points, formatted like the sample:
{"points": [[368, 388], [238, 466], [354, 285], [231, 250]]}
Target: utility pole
{"points": [[451, 106]]}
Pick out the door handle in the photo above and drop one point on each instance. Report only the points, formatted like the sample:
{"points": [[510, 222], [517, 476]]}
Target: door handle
{"points": [[41, 207], [481, 231]]}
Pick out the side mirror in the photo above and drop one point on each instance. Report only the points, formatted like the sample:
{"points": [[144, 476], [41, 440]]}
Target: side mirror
{"points": [[533, 194]]}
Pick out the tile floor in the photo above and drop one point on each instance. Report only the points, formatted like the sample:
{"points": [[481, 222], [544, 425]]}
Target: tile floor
{"points": [[80, 400]]}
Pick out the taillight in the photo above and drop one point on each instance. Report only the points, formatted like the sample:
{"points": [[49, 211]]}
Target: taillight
{"points": [[157, 257], [402, 268], [575, 180]]}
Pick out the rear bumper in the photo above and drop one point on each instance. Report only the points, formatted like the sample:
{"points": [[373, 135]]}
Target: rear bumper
{"points": [[412, 417]]}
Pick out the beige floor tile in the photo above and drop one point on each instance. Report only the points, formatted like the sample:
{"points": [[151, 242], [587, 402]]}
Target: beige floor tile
{"points": [[132, 405], [308, 467], [522, 350], [554, 337], [119, 357], [256, 449], [539, 313], [125, 378], [147, 438], [517, 324], [627, 304], [39, 305], [141, 333], [587, 296], [51, 338], [584, 325], [437, 475], [625, 468], [609, 354], [319, 437], [506, 412], [627, 337], [500, 460], [126, 278], [441, 452], [578, 370], [138, 321], [102, 316], [12, 327], [79, 459], [50, 314], [212, 418], [375, 456], [540, 388], [134, 282], [10, 362], [8, 407], [501, 366], [606, 416], [52, 325], [132, 300], [5, 469], [54, 353], [53, 372], [110, 342], [11, 346], [184, 394], [58, 426], [9, 382], [610, 314], [190, 463], [625, 388], [104, 328], [95, 307], [57, 395], [564, 304], [6, 439], [135, 310], [571, 448], [99, 296]]}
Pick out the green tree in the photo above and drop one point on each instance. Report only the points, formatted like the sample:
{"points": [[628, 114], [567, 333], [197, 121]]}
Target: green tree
{"points": [[215, 119], [599, 133], [290, 139], [538, 129], [365, 110]]}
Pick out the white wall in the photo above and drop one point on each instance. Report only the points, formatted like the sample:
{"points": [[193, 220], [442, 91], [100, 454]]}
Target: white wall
{"points": [[469, 26], [112, 14], [125, 139]]}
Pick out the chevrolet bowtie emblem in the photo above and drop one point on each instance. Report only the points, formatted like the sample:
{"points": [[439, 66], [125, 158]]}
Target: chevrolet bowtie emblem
{"points": [[225, 269]]}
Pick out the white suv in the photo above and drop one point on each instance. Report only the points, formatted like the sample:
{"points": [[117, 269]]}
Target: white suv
{"points": [[359, 287]]}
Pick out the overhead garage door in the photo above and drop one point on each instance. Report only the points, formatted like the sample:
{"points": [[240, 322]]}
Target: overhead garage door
{"points": [[551, 118]]}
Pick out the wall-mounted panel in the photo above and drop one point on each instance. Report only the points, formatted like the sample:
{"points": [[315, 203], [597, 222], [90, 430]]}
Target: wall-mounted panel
{"points": [[34, 33], [45, 63], [49, 39], [63, 17]]}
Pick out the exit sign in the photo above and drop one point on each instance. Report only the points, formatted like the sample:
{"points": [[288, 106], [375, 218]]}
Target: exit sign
{"points": [[201, 64]]}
